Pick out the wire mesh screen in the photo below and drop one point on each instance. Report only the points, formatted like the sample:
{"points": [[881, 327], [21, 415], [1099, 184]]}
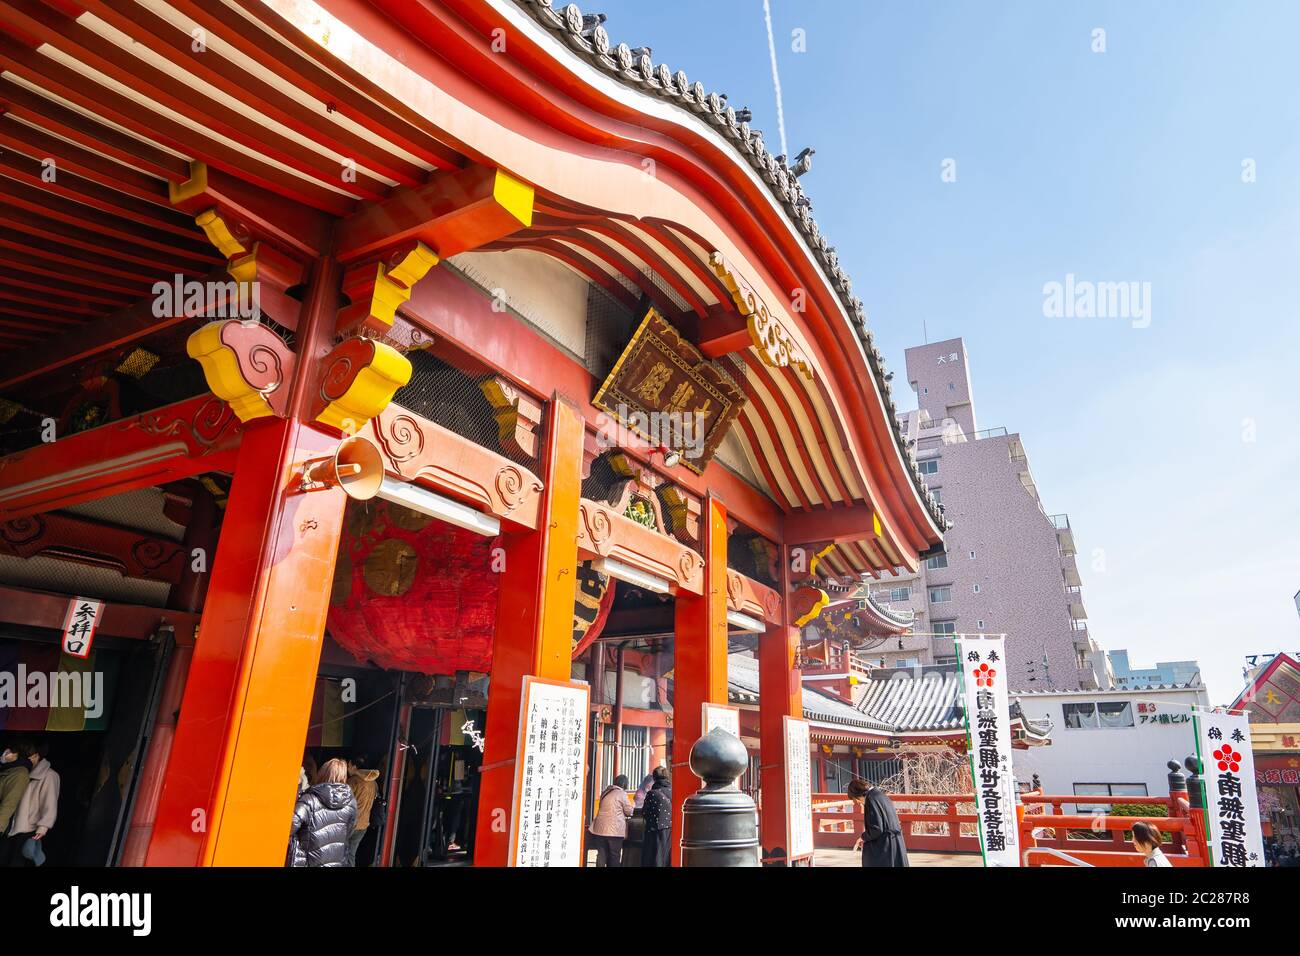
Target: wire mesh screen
{"points": [[750, 554], [603, 483], [447, 388], [665, 290], [609, 327], [125, 547], [143, 375]]}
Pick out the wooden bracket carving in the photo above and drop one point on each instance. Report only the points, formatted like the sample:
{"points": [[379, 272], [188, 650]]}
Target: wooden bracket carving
{"points": [[133, 554], [377, 289], [771, 338], [249, 259], [357, 380], [748, 596], [683, 514], [422, 451], [518, 415], [246, 364], [806, 603], [602, 532]]}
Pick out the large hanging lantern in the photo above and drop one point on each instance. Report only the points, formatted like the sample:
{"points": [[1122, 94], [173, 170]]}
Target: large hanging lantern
{"points": [[412, 593]]}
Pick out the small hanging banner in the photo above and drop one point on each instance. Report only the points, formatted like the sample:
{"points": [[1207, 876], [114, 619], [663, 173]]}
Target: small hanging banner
{"points": [[719, 715], [550, 774], [988, 741], [79, 626], [1231, 806], [798, 789]]}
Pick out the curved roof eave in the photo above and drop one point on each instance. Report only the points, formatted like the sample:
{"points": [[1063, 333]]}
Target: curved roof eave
{"points": [[710, 118]]}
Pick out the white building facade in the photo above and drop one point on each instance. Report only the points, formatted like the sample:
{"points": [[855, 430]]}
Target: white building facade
{"points": [[1110, 742]]}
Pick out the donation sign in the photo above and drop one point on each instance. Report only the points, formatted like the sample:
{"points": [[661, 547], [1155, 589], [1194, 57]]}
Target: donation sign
{"points": [[550, 774], [798, 788]]}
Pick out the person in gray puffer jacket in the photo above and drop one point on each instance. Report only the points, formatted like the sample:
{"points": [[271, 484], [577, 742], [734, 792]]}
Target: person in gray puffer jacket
{"points": [[323, 818]]}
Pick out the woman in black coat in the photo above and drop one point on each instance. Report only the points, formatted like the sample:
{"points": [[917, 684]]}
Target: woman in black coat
{"points": [[323, 818], [656, 849], [881, 841]]}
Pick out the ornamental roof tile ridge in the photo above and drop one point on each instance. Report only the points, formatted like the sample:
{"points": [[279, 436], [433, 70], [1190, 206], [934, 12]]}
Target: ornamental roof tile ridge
{"points": [[634, 68]]}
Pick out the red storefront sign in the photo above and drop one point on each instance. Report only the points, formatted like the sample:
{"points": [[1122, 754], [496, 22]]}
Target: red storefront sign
{"points": [[1281, 771]]}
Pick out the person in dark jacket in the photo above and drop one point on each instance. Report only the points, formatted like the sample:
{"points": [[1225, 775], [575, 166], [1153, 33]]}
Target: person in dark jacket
{"points": [[881, 841], [323, 819], [15, 771], [656, 848]]}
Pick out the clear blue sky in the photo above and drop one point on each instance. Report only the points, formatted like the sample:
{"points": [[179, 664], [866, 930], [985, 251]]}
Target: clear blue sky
{"points": [[1117, 166]]}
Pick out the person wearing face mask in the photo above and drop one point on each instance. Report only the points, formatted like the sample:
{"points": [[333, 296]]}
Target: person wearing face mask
{"points": [[37, 810], [15, 771]]}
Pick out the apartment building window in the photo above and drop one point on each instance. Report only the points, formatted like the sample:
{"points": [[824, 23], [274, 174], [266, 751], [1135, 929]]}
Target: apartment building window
{"points": [[1102, 714], [972, 555], [929, 466], [894, 595], [945, 660], [979, 625], [938, 495], [975, 589], [943, 627], [937, 561], [941, 595]]}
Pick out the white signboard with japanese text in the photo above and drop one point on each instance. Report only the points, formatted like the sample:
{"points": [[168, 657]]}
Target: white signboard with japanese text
{"points": [[1231, 806], [550, 774], [719, 715], [798, 789], [988, 738], [79, 626]]}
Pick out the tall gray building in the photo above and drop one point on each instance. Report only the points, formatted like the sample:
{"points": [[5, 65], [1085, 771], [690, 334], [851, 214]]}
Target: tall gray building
{"points": [[1008, 566]]}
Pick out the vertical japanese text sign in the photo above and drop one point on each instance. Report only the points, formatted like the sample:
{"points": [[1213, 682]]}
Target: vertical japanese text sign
{"points": [[988, 738], [1231, 806], [798, 789], [550, 774], [79, 626]]}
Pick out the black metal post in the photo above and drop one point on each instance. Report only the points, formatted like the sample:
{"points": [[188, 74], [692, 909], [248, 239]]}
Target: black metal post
{"points": [[719, 821]]}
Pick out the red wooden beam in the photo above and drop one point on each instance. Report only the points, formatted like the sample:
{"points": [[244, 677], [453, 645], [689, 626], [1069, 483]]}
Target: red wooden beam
{"points": [[453, 212], [186, 438], [107, 173], [68, 123], [132, 553], [176, 45], [834, 525], [285, 51], [44, 609], [120, 109], [102, 54], [39, 199], [128, 325]]}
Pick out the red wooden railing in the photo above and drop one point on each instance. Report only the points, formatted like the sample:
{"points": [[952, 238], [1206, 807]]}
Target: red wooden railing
{"points": [[946, 823], [932, 822], [1101, 839]]}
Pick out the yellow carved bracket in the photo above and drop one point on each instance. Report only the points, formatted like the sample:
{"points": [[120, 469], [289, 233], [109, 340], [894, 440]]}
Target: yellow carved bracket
{"points": [[245, 364], [357, 381]]}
